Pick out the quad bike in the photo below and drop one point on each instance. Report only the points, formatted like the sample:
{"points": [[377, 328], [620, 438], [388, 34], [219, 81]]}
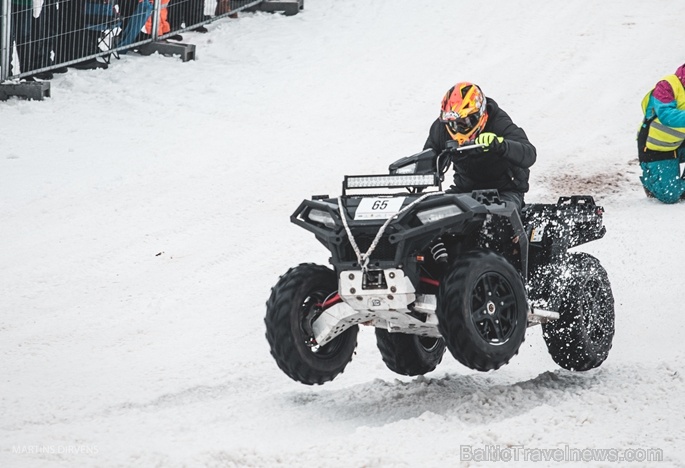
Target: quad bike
{"points": [[432, 270]]}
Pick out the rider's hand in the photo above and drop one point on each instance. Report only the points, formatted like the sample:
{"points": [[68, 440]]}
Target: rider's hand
{"points": [[492, 143]]}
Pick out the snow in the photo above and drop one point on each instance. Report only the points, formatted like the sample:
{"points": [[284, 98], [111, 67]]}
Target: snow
{"points": [[145, 216]]}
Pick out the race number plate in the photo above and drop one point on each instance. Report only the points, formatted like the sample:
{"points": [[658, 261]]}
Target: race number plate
{"points": [[378, 208]]}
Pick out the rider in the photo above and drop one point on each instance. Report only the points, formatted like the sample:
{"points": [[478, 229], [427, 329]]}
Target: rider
{"points": [[469, 117]]}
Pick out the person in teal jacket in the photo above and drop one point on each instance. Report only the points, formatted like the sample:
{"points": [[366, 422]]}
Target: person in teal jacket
{"points": [[661, 139]]}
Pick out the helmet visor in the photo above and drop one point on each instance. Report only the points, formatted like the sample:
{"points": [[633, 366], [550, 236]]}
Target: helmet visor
{"points": [[460, 124]]}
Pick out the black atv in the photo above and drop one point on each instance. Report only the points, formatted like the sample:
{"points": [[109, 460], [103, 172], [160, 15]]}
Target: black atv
{"points": [[430, 270]]}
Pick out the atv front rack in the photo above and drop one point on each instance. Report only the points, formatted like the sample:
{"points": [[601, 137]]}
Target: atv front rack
{"points": [[404, 233]]}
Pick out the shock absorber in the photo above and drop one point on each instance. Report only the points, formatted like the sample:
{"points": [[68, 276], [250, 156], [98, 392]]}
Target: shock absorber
{"points": [[439, 252]]}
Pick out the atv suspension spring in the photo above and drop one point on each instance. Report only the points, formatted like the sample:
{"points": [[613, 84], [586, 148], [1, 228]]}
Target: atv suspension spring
{"points": [[439, 252]]}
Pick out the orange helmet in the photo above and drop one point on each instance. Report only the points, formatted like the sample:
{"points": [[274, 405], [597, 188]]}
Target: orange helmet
{"points": [[463, 111]]}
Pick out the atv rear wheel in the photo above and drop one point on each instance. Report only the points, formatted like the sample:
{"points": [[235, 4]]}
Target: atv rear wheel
{"points": [[409, 354], [482, 310], [294, 303], [582, 336]]}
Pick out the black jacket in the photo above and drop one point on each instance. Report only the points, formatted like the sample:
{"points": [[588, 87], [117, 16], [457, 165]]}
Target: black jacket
{"points": [[507, 172]]}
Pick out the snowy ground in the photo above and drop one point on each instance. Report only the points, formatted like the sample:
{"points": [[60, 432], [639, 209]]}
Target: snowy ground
{"points": [[145, 216]]}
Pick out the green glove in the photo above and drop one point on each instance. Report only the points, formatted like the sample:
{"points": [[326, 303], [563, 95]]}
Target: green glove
{"points": [[491, 141]]}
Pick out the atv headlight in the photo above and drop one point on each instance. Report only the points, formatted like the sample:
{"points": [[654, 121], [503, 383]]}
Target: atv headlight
{"points": [[408, 169], [322, 217], [436, 214]]}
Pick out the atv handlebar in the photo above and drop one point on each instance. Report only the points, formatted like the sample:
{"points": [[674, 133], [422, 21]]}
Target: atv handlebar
{"points": [[469, 147], [455, 153]]}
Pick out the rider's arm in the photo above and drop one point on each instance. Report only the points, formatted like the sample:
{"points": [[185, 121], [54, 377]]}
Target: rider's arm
{"points": [[434, 140], [518, 150]]}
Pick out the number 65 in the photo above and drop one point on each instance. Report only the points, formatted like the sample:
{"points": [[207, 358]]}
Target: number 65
{"points": [[379, 205]]}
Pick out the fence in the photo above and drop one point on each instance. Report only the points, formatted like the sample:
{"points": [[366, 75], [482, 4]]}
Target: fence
{"points": [[41, 37]]}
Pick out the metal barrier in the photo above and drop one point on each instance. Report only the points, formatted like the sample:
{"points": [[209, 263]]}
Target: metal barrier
{"points": [[38, 39]]}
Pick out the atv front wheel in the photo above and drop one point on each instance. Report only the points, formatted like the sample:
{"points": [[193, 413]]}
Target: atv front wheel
{"points": [[482, 310], [582, 336], [409, 354], [295, 301]]}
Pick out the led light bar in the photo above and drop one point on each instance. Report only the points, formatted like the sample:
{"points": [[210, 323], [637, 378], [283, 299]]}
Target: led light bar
{"points": [[376, 181]]}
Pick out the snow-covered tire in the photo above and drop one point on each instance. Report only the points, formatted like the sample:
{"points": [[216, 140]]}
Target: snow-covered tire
{"points": [[294, 303], [582, 336], [482, 310], [409, 354]]}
